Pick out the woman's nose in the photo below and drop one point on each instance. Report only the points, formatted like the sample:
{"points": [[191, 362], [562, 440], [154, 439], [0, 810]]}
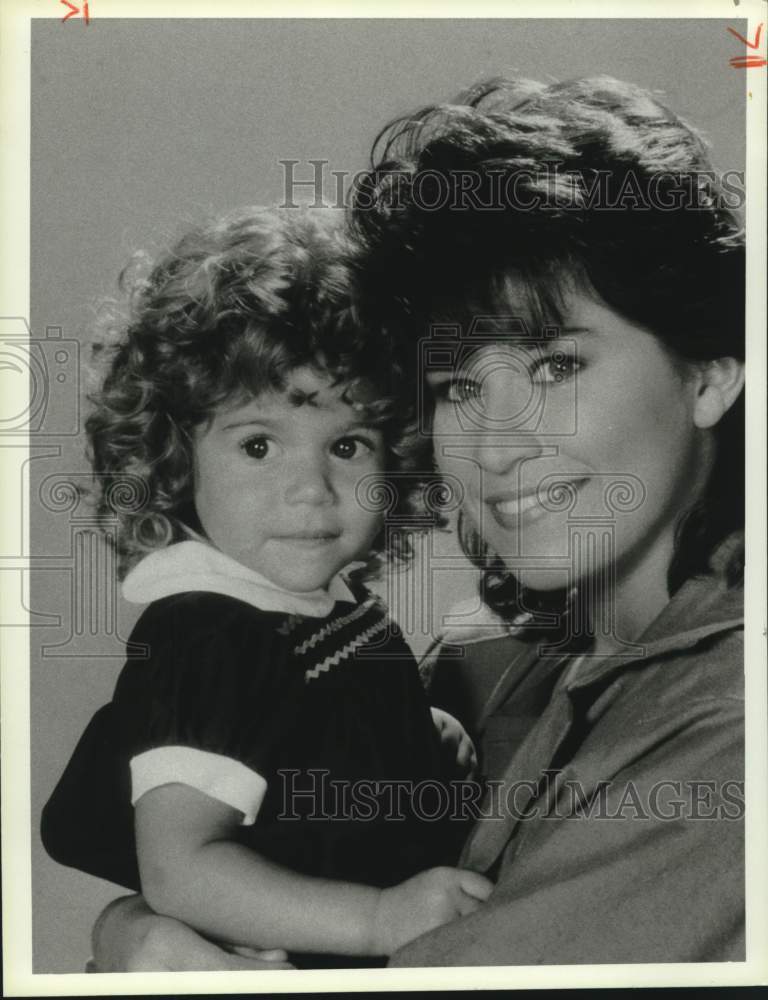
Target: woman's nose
{"points": [[498, 454], [508, 427], [309, 483]]}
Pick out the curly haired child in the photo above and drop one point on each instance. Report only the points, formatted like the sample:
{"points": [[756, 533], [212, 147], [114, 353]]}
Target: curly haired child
{"points": [[244, 774]]}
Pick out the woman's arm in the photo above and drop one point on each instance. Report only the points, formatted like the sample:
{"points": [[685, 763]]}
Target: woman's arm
{"points": [[619, 880], [191, 870]]}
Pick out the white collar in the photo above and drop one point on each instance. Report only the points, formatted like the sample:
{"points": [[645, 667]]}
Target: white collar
{"points": [[197, 565]]}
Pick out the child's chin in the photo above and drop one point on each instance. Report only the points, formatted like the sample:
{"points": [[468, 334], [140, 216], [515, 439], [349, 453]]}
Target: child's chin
{"points": [[303, 583]]}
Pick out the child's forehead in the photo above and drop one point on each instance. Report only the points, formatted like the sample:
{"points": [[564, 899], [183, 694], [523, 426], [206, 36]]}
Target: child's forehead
{"points": [[306, 387]]}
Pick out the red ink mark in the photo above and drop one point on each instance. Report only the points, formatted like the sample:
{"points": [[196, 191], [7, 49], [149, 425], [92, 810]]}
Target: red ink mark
{"points": [[748, 62], [74, 11], [741, 38]]}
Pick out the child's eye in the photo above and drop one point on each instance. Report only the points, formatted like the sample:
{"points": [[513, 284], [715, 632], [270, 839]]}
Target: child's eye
{"points": [[256, 447], [456, 390], [352, 447], [556, 367]]}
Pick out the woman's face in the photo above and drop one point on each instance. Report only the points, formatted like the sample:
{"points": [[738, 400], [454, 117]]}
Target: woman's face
{"points": [[577, 452]]}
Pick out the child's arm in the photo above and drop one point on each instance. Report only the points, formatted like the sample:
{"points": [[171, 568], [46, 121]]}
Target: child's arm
{"points": [[457, 745], [130, 937], [192, 871]]}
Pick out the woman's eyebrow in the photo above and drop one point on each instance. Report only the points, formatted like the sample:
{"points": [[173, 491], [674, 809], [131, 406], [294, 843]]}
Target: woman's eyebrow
{"points": [[540, 342], [554, 334]]}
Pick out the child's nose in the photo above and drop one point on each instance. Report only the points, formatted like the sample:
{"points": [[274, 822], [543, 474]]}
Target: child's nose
{"points": [[309, 483]]}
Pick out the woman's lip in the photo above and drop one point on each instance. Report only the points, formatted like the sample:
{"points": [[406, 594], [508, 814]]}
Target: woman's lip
{"points": [[509, 509], [510, 496]]}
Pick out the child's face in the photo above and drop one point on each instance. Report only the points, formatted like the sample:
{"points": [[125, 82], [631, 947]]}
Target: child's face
{"points": [[275, 482]]}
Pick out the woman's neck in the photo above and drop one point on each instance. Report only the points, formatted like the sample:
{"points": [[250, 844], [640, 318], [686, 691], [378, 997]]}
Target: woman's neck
{"points": [[622, 610]]}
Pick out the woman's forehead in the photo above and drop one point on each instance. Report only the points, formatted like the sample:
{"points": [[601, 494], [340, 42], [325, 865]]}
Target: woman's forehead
{"points": [[512, 303]]}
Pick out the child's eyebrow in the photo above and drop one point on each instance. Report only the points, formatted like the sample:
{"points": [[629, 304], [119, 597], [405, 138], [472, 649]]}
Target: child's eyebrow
{"points": [[270, 424], [360, 425], [251, 422]]}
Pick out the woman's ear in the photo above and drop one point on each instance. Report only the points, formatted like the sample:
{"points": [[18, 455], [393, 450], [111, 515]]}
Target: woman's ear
{"points": [[719, 384]]}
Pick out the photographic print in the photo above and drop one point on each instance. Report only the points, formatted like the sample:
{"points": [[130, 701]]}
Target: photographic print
{"points": [[382, 438]]}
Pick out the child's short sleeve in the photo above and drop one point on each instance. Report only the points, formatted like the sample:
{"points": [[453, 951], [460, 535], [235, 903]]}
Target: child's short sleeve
{"points": [[207, 707]]}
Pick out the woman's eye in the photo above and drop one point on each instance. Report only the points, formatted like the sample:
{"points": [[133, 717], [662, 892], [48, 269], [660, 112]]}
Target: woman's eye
{"points": [[351, 447], [456, 390], [256, 447], [556, 367]]}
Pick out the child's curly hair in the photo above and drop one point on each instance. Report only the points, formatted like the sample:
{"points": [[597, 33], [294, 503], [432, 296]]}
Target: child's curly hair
{"points": [[229, 312]]}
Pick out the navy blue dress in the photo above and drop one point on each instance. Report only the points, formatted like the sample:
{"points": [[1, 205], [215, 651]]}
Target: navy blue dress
{"points": [[329, 712]]}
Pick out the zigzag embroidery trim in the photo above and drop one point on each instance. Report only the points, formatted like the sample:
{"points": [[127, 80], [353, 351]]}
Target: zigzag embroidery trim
{"points": [[344, 652], [334, 626]]}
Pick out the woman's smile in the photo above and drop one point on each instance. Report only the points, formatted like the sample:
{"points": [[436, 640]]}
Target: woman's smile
{"points": [[510, 509]]}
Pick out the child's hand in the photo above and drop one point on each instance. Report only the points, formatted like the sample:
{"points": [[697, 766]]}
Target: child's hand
{"points": [[458, 748], [424, 902]]}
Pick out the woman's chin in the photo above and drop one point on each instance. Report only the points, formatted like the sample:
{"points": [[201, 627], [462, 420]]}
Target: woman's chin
{"points": [[544, 580], [539, 560]]}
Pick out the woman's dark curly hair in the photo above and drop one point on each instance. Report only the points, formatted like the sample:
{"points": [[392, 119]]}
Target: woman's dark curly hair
{"points": [[591, 181], [228, 313]]}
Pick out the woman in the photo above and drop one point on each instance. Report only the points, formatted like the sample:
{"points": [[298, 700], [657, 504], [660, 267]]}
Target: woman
{"points": [[559, 266]]}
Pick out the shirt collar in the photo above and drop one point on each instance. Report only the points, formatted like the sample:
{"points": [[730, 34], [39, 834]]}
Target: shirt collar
{"points": [[703, 606], [197, 565]]}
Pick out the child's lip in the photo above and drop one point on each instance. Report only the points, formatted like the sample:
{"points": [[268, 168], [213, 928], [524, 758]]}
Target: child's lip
{"points": [[320, 535]]}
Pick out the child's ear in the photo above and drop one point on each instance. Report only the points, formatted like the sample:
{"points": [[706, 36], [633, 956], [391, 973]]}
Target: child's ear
{"points": [[719, 384]]}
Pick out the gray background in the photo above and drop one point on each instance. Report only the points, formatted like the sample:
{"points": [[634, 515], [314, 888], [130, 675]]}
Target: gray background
{"points": [[138, 126]]}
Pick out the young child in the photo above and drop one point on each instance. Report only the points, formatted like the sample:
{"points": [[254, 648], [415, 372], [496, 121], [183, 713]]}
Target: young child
{"points": [[264, 748]]}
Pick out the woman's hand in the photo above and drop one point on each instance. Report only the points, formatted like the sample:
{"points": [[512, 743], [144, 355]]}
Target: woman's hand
{"points": [[130, 937], [426, 901], [458, 748]]}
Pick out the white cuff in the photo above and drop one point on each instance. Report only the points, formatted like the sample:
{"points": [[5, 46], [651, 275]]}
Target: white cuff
{"points": [[212, 774]]}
